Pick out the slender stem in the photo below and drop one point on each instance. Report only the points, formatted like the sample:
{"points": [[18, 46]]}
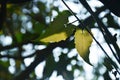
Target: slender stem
{"points": [[86, 28], [73, 13], [104, 30], [90, 34]]}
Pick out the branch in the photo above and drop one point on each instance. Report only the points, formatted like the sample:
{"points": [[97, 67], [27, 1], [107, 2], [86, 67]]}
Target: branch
{"points": [[104, 31], [82, 25], [41, 55], [99, 24], [88, 21], [17, 45], [16, 57], [2, 13]]}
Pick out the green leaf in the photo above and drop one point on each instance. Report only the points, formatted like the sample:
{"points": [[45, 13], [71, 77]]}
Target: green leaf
{"points": [[83, 41], [4, 65], [49, 67], [19, 36], [57, 31], [38, 27]]}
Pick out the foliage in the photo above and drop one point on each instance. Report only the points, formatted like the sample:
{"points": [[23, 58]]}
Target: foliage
{"points": [[83, 41], [57, 31], [39, 31]]}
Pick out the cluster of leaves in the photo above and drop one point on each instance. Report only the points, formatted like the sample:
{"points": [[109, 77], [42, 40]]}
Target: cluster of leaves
{"points": [[57, 31], [52, 34]]}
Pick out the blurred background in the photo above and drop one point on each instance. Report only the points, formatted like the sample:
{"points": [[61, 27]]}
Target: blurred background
{"points": [[24, 57]]}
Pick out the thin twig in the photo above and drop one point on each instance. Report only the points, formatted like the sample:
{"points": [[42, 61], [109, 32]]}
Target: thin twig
{"points": [[103, 29], [85, 28], [89, 33], [16, 57]]}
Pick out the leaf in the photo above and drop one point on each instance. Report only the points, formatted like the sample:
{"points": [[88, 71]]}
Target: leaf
{"points": [[4, 65], [49, 67], [38, 27], [83, 41], [19, 36], [57, 31]]}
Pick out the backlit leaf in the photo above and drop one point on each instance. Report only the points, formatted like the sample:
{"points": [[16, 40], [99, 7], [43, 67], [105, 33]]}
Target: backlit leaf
{"points": [[83, 41], [57, 31]]}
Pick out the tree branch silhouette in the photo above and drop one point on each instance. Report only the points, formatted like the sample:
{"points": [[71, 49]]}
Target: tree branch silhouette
{"points": [[105, 32], [41, 55]]}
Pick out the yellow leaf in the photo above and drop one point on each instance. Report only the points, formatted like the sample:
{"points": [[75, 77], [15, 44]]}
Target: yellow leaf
{"points": [[55, 37], [61, 34], [56, 30], [83, 41]]}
